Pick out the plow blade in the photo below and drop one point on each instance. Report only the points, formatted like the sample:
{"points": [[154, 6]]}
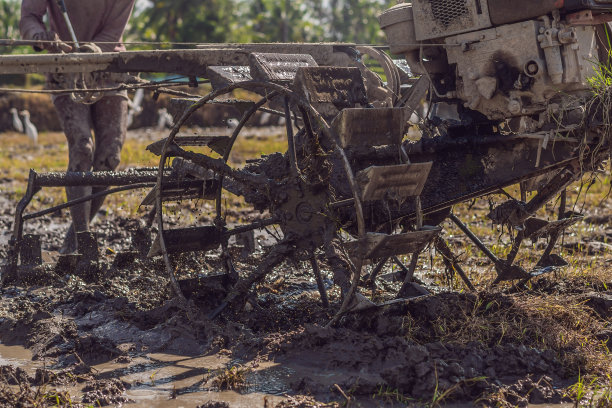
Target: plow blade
{"points": [[375, 245], [370, 127], [278, 67], [546, 229], [397, 182], [221, 76], [188, 240]]}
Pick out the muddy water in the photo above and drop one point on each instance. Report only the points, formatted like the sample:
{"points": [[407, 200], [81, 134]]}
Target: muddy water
{"points": [[16, 356], [164, 380]]}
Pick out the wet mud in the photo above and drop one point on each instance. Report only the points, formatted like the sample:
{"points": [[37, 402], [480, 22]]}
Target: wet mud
{"points": [[121, 338]]}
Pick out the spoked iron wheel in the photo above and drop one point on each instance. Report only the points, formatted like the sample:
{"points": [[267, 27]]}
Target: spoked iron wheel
{"points": [[292, 188]]}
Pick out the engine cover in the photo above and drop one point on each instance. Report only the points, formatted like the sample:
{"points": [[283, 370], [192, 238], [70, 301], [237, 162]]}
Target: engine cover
{"points": [[440, 18], [519, 69]]}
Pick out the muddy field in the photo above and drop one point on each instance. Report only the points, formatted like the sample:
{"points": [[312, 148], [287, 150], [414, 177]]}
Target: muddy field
{"points": [[117, 336]]}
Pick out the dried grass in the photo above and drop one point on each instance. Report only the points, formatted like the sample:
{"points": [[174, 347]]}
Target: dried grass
{"points": [[562, 324]]}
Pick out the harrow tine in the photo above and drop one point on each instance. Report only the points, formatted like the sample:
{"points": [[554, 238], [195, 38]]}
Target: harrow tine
{"points": [[319, 278], [409, 274], [505, 270], [374, 274], [451, 262]]}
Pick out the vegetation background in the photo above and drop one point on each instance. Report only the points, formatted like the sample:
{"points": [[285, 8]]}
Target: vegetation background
{"points": [[240, 21]]}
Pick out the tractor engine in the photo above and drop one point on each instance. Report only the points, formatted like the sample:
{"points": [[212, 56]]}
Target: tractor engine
{"points": [[519, 60]]}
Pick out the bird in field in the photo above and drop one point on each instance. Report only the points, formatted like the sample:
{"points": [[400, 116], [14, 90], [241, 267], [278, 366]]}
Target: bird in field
{"points": [[232, 123], [17, 125], [135, 106], [29, 127], [164, 119]]}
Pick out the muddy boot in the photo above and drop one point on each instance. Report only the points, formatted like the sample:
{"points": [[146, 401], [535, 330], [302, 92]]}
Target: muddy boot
{"points": [[70, 242]]}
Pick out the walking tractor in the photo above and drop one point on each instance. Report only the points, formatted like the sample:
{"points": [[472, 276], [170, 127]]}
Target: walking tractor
{"points": [[501, 92]]}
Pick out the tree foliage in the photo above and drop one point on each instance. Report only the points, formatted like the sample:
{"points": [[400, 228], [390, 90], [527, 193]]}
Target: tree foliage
{"points": [[183, 21], [260, 21], [241, 20], [10, 12]]}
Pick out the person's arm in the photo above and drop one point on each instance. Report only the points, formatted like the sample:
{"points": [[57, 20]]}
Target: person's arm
{"points": [[32, 27], [31, 23], [114, 26]]}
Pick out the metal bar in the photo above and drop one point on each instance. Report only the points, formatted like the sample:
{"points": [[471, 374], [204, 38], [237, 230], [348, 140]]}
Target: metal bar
{"points": [[555, 236], [85, 199], [516, 245], [16, 238], [319, 279], [290, 140], [94, 179], [376, 272], [474, 239], [192, 62], [64, 10], [449, 258], [409, 273], [253, 226]]}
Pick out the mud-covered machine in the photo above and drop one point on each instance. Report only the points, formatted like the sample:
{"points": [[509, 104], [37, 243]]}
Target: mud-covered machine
{"points": [[501, 92]]}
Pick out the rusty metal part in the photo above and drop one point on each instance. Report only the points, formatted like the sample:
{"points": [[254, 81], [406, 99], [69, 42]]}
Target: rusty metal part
{"points": [[361, 127], [188, 240], [375, 246], [320, 284], [184, 62], [129, 180], [348, 167], [504, 270], [277, 67], [393, 182], [218, 144], [451, 262]]}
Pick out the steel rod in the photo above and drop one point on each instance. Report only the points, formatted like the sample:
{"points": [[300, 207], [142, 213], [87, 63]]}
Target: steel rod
{"points": [[474, 239], [253, 226], [94, 179], [450, 260], [319, 279], [85, 199]]}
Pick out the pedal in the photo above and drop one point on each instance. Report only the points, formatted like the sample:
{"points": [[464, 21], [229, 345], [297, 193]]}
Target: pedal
{"points": [[396, 182], [375, 246], [278, 67], [331, 89], [363, 127], [218, 144], [188, 240], [221, 77]]}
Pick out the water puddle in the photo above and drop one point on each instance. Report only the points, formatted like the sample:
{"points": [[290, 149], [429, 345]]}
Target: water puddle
{"points": [[164, 380], [16, 356], [171, 381]]}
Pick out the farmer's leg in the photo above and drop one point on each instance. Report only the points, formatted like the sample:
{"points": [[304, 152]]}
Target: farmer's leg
{"points": [[109, 117], [75, 119]]}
